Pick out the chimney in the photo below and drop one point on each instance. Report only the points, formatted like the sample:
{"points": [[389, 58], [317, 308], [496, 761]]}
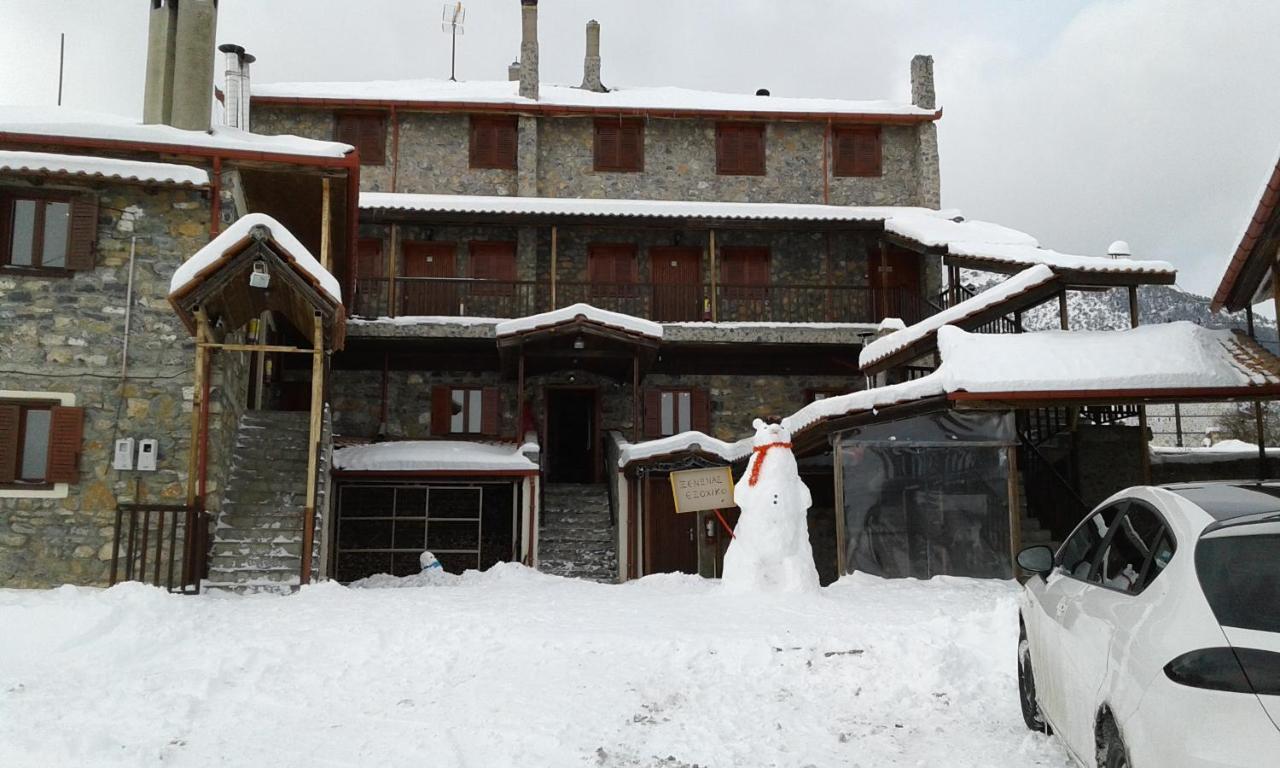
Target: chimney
{"points": [[513, 71], [591, 66], [193, 64], [157, 101], [922, 93], [529, 49], [236, 91]]}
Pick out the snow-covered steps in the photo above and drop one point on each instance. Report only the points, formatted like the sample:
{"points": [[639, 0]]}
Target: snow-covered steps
{"points": [[257, 537], [577, 537]]}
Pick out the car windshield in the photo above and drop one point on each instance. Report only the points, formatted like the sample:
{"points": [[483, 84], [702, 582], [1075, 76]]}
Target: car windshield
{"points": [[1240, 575]]}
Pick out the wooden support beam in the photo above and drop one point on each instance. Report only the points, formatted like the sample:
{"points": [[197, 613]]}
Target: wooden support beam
{"points": [[554, 266], [1262, 443], [636, 416], [193, 460], [253, 348], [1143, 439], [313, 447], [1015, 510], [393, 263], [1064, 321], [520, 396], [711, 271], [325, 223]]}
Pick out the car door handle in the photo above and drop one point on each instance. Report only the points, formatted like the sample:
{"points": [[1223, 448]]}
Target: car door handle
{"points": [[1062, 607]]}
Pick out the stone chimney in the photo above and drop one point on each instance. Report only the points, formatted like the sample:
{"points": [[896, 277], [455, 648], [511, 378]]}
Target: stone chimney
{"points": [[235, 96], [922, 93], [513, 71], [529, 49], [180, 63], [591, 66]]}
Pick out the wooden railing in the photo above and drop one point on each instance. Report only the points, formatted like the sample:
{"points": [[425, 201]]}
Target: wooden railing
{"points": [[466, 297], [161, 545]]}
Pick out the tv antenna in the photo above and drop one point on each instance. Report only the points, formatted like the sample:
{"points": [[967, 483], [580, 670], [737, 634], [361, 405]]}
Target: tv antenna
{"points": [[453, 18]]}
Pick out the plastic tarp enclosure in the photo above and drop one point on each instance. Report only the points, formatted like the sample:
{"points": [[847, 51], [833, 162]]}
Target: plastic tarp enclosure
{"points": [[928, 496]]}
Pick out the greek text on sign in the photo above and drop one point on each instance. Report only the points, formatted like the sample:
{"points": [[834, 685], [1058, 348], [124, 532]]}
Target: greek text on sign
{"points": [[697, 490]]}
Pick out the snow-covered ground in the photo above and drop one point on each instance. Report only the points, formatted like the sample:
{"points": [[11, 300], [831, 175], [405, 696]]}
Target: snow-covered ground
{"points": [[516, 668]]}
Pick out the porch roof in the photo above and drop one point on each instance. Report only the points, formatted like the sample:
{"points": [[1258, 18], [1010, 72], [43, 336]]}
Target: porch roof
{"points": [[436, 457], [1249, 276], [105, 168], [685, 443]]}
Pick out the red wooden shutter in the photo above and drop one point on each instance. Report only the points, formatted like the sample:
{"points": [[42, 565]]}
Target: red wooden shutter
{"points": [[369, 259], [652, 413], [631, 147], [477, 143], [740, 150], [607, 143], [490, 411], [373, 140], [83, 238], [857, 151], [619, 145], [9, 415], [66, 435], [441, 410], [700, 410]]}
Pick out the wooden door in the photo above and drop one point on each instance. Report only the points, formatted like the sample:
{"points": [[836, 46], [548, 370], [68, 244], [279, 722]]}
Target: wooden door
{"points": [[371, 273], [744, 279], [676, 273], [437, 294], [895, 284], [670, 539]]}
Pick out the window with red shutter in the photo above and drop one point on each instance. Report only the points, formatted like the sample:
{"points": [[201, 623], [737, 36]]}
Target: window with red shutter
{"points": [[465, 411], [366, 131], [40, 443], [856, 151], [672, 411], [493, 142], [619, 145], [612, 269], [52, 232], [494, 263], [740, 149]]}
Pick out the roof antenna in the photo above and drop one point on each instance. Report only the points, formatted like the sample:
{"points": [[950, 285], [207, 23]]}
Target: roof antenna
{"points": [[62, 57], [453, 18]]}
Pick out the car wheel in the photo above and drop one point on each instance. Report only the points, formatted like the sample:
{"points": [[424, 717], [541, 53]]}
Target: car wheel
{"points": [[1031, 714], [1111, 751]]}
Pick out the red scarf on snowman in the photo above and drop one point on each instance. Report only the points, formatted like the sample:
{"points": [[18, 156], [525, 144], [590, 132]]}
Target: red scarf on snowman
{"points": [[760, 452]]}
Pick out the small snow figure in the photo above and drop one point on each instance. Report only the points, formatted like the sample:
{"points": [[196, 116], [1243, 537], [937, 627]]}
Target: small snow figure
{"points": [[429, 562], [770, 549]]}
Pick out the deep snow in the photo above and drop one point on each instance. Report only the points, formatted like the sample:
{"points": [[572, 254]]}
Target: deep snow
{"points": [[516, 668]]}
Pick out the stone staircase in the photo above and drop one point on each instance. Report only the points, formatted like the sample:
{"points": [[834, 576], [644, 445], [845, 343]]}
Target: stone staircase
{"points": [[1032, 532], [577, 538], [257, 537]]}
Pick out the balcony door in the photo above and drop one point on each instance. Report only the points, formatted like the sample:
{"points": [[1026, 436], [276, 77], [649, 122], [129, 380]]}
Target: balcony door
{"points": [[744, 279], [895, 284], [677, 283], [612, 275], [429, 296]]}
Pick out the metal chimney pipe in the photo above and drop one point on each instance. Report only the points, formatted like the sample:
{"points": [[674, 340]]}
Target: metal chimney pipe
{"points": [[233, 85]]}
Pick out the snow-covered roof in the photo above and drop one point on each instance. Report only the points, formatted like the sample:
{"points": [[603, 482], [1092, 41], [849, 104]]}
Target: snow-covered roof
{"points": [[434, 456], [1224, 450], [1174, 356], [635, 325], [505, 92], [899, 340], [629, 452], [293, 251], [86, 166], [66, 123]]}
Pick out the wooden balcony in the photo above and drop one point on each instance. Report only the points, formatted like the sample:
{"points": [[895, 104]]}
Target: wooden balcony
{"points": [[467, 297]]}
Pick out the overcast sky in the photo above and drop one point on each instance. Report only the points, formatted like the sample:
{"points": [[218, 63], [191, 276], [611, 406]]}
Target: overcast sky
{"points": [[1080, 122]]}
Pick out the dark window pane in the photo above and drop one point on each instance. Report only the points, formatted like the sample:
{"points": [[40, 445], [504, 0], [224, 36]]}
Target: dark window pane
{"points": [[411, 534], [411, 502], [1129, 549], [24, 233], [363, 501], [57, 222], [364, 534], [35, 445], [1081, 549], [358, 565], [456, 563], [405, 564], [461, 503], [449, 535], [1240, 579]]}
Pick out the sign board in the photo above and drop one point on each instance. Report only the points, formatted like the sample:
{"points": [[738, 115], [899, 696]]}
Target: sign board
{"points": [[698, 490]]}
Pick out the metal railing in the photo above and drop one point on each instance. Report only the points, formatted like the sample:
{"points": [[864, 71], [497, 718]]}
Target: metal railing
{"points": [[161, 545], [469, 297]]}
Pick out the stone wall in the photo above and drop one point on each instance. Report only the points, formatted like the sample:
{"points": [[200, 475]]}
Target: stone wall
{"points": [[66, 335], [680, 161]]}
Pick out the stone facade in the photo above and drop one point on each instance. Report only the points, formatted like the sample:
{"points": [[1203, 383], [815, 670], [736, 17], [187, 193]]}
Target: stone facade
{"points": [[66, 335]]}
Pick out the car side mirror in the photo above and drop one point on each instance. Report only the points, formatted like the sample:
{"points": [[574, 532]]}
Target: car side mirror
{"points": [[1037, 560]]}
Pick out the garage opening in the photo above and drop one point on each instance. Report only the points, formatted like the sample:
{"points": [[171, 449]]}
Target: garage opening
{"points": [[384, 527]]}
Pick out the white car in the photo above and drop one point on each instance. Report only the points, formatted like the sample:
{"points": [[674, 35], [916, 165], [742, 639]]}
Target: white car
{"points": [[1151, 639]]}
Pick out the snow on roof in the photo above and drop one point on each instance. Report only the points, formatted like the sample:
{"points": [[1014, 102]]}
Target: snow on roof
{"points": [[103, 168], [434, 456], [656, 99], [1179, 355], [1023, 255], [892, 343], [685, 441], [617, 320], [292, 250], [1224, 450], [77, 124]]}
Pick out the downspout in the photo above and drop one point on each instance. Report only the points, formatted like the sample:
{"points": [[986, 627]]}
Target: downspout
{"points": [[353, 219], [215, 205], [395, 149], [826, 164]]}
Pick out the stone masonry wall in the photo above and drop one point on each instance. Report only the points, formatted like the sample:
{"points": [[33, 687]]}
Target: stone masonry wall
{"points": [[66, 334]]}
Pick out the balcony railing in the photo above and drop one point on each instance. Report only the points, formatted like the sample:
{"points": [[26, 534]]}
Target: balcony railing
{"points": [[467, 297]]}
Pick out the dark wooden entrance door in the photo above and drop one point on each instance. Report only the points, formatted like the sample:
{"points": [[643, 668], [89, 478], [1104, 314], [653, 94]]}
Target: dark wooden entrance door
{"points": [[572, 435], [895, 284], [676, 273], [671, 543], [429, 297]]}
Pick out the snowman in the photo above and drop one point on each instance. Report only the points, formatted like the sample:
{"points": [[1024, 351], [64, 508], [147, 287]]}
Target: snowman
{"points": [[770, 550]]}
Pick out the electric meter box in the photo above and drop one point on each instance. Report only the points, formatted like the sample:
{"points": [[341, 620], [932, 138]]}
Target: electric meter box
{"points": [[147, 450], [123, 458]]}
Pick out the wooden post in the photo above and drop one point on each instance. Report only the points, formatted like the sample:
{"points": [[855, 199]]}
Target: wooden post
{"points": [[313, 446], [520, 397], [1275, 285], [1015, 510], [1262, 444], [837, 465], [636, 416], [554, 269], [711, 266], [392, 266], [1142, 409], [1063, 320], [325, 223], [193, 459]]}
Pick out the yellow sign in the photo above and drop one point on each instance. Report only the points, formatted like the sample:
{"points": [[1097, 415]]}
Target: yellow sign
{"points": [[698, 490]]}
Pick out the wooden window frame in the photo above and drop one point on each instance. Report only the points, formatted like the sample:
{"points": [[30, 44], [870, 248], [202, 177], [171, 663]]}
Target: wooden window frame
{"points": [[14, 439], [655, 404], [350, 128], [730, 157], [847, 162], [615, 159], [822, 393], [442, 411], [489, 156], [42, 199]]}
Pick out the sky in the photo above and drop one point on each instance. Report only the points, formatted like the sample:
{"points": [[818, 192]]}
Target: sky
{"points": [[1081, 122]]}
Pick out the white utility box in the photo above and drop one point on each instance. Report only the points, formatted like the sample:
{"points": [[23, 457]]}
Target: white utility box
{"points": [[147, 450], [123, 458]]}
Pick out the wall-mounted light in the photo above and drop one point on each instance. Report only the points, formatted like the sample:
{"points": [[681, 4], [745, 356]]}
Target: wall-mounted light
{"points": [[259, 277], [578, 343]]}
